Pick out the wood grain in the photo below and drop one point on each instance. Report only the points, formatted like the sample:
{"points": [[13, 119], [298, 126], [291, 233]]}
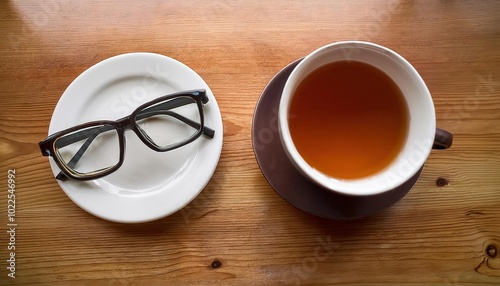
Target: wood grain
{"points": [[434, 236]]}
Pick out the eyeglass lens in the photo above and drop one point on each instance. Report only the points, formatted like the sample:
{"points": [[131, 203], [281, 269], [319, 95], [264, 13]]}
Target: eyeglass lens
{"points": [[95, 149], [170, 122]]}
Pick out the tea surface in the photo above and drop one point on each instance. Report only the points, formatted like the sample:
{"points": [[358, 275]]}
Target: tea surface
{"points": [[348, 119]]}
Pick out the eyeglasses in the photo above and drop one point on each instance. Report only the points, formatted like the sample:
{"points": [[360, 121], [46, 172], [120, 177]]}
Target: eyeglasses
{"points": [[95, 149]]}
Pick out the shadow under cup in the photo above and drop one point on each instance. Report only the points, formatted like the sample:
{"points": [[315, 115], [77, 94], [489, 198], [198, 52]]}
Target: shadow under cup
{"points": [[422, 133]]}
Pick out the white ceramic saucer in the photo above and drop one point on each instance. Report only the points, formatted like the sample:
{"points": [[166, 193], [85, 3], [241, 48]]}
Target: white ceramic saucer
{"points": [[149, 185]]}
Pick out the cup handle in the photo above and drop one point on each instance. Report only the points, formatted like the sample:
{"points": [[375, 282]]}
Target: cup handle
{"points": [[442, 140]]}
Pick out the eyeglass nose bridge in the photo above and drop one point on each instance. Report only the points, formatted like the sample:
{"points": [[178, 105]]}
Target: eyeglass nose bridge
{"points": [[125, 123], [129, 123]]}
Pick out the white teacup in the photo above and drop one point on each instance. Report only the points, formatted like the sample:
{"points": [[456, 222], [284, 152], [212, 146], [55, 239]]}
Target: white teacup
{"points": [[422, 132]]}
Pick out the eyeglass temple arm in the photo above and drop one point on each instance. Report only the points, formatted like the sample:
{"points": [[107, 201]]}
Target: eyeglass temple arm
{"points": [[155, 110]]}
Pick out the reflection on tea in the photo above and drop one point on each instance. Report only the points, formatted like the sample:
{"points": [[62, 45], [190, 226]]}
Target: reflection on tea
{"points": [[348, 119]]}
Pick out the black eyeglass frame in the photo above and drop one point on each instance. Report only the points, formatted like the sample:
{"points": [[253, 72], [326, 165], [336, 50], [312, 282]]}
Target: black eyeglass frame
{"points": [[48, 146]]}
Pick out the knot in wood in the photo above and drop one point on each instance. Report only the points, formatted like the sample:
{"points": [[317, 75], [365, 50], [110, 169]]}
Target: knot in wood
{"points": [[216, 264], [441, 182], [491, 251]]}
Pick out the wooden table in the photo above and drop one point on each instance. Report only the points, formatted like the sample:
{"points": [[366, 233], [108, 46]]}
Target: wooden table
{"points": [[239, 231]]}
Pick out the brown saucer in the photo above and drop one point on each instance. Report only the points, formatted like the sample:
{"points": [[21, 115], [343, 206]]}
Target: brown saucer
{"points": [[292, 185]]}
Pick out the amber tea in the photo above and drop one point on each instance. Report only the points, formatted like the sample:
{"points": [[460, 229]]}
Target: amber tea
{"points": [[348, 119]]}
